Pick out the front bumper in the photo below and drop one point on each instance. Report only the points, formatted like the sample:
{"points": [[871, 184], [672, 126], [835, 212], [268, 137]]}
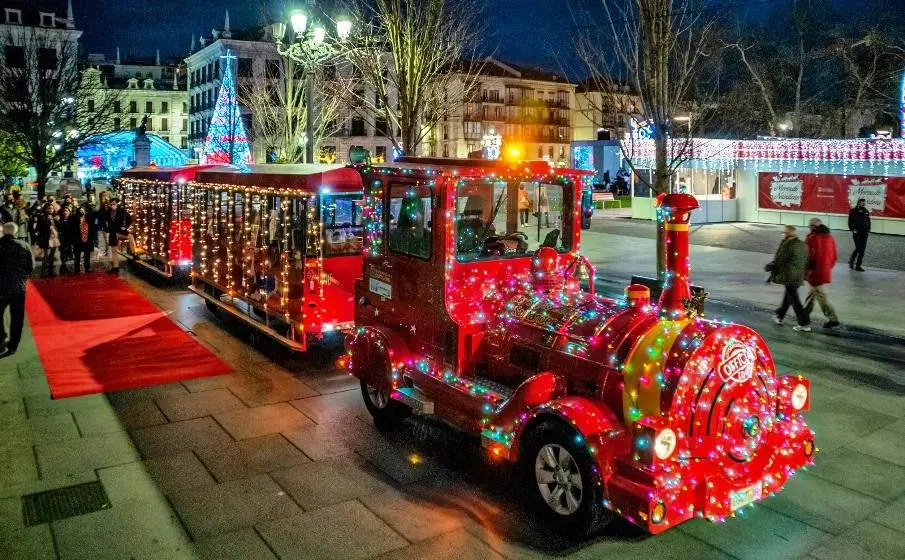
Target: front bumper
{"points": [[675, 491]]}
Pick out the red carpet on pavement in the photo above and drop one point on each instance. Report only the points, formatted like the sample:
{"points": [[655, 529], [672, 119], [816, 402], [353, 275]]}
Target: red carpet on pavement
{"points": [[96, 334]]}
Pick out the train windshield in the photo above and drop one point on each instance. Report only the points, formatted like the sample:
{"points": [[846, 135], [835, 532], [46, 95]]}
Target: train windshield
{"points": [[341, 217], [511, 219]]}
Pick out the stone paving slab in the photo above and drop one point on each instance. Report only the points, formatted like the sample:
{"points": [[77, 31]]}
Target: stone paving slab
{"points": [[80, 455], [892, 516], [178, 471], [877, 444], [272, 389], [333, 407], [862, 473], [200, 433], [865, 541], [232, 505], [20, 541], [454, 545], [822, 504], [244, 543], [249, 457], [329, 482], [328, 533], [413, 518], [321, 441], [138, 414], [185, 406], [262, 420], [758, 533]]}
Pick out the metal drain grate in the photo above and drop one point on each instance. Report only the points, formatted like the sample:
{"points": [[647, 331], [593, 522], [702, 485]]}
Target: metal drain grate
{"points": [[61, 503]]}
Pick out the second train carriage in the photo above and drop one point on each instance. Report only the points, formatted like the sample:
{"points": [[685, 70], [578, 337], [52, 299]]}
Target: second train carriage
{"points": [[279, 247], [159, 201]]}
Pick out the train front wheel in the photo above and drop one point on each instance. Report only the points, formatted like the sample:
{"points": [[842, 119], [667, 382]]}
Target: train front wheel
{"points": [[386, 412]]}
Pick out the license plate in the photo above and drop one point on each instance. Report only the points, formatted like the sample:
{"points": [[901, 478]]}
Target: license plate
{"points": [[740, 498]]}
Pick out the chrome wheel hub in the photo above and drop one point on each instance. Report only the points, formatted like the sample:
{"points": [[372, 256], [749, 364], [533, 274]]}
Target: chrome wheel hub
{"points": [[558, 479]]}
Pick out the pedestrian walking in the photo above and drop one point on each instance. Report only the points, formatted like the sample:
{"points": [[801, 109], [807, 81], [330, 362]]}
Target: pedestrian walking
{"points": [[859, 225], [543, 206], [787, 269], [64, 225], [16, 264], [118, 222], [84, 232], [821, 259], [48, 239]]}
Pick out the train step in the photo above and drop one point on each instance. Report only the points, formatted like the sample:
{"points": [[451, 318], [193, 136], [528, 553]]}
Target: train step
{"points": [[415, 399]]}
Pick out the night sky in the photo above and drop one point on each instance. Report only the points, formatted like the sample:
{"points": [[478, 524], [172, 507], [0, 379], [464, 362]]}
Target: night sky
{"points": [[518, 30]]}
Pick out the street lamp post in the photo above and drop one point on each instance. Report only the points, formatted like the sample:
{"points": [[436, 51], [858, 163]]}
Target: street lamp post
{"points": [[311, 47]]}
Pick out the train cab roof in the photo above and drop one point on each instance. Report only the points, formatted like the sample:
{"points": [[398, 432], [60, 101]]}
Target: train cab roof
{"points": [[304, 178], [477, 167], [166, 174]]}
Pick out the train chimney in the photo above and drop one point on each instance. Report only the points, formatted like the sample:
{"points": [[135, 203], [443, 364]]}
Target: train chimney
{"points": [[676, 214]]}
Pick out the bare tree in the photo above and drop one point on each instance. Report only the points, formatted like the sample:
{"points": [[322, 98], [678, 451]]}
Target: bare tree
{"points": [[277, 103], [414, 62], [658, 47], [872, 64], [47, 105]]}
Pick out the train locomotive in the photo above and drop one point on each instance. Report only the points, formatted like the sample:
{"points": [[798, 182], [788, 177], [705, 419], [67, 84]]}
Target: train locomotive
{"points": [[471, 308]]}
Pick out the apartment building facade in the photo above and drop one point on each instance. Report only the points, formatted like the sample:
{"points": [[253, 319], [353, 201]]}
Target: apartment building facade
{"points": [[530, 109], [603, 113]]}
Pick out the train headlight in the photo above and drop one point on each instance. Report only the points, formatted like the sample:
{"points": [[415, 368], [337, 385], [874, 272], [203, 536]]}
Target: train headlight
{"points": [[665, 444], [799, 396]]}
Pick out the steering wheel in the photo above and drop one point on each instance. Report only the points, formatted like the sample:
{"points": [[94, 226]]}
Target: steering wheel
{"points": [[581, 260], [496, 244]]}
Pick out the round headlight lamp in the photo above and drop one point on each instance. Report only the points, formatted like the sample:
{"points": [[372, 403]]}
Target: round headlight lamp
{"points": [[799, 396], [665, 444]]}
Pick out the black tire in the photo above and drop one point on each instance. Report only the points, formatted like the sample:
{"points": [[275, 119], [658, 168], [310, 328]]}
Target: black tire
{"points": [[211, 306], [589, 515], [387, 413]]}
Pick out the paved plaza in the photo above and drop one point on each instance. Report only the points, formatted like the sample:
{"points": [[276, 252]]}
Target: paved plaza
{"points": [[281, 460]]}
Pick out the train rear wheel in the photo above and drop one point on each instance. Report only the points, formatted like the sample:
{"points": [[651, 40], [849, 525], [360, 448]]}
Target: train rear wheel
{"points": [[559, 473], [386, 412]]}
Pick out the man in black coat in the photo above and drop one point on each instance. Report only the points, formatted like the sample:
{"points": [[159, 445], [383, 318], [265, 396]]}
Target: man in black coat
{"points": [[16, 264], [859, 224]]}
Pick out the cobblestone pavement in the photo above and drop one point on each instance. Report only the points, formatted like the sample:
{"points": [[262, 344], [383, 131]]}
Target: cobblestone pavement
{"points": [[883, 251], [280, 460]]}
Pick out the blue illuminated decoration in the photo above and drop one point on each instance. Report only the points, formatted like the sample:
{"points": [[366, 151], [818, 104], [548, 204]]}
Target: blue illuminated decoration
{"points": [[107, 155], [902, 108], [226, 140], [583, 157]]}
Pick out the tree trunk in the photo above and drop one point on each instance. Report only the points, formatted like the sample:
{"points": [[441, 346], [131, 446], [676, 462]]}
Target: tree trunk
{"points": [[41, 175], [661, 185]]}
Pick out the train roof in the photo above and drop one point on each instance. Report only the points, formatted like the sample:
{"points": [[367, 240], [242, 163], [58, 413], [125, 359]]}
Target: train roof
{"points": [[167, 174], [478, 167], [301, 177]]}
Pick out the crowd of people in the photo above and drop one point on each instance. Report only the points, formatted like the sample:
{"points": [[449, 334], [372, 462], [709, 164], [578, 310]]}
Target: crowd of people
{"points": [[64, 235]]}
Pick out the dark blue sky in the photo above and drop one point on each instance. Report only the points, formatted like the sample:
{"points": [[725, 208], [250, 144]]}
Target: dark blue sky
{"points": [[521, 31]]}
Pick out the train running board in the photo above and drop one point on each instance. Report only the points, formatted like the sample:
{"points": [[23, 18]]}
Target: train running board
{"points": [[414, 399]]}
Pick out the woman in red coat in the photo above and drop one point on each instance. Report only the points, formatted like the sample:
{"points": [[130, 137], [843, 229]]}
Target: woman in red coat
{"points": [[821, 259]]}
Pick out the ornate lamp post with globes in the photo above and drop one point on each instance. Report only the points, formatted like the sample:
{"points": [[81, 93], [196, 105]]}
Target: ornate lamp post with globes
{"points": [[310, 46]]}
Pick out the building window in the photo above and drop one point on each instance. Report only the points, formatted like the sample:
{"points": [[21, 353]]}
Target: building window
{"points": [[164, 106], [184, 143], [47, 19], [245, 68], [47, 59], [185, 125], [117, 124], [165, 126], [358, 127], [133, 107], [550, 152], [14, 56], [91, 105], [133, 123], [381, 153], [273, 69], [149, 106], [540, 152], [13, 17], [117, 106], [185, 107], [150, 125]]}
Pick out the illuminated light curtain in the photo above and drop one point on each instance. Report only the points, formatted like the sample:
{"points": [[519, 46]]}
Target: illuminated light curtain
{"points": [[226, 140]]}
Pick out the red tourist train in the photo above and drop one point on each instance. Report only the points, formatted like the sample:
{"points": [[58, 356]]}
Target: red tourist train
{"points": [[278, 247], [470, 308]]}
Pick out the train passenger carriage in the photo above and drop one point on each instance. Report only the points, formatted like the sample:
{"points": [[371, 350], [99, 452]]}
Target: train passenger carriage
{"points": [[279, 247], [159, 201]]}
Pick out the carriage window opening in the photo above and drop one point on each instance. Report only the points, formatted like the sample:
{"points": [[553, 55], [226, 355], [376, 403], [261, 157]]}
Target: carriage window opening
{"points": [[501, 220], [409, 230], [341, 217], [298, 233]]}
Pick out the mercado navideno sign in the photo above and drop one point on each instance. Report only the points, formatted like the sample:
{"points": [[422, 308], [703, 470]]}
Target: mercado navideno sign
{"points": [[831, 194]]}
